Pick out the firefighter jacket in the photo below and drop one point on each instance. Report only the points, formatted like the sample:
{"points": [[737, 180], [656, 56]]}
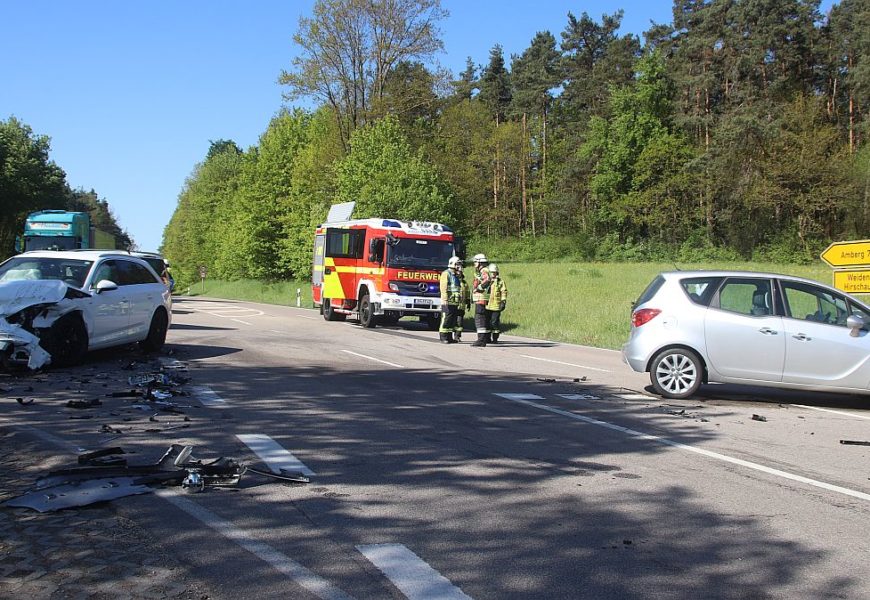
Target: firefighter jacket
{"points": [[453, 288], [480, 286], [497, 293]]}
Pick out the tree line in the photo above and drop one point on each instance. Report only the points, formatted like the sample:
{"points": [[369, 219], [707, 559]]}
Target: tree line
{"points": [[31, 181], [739, 130]]}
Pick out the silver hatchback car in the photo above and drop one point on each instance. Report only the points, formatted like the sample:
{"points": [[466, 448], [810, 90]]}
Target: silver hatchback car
{"points": [[694, 327]]}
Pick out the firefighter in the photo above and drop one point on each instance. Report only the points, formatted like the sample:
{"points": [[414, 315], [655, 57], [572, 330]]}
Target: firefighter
{"points": [[480, 297], [454, 296], [496, 304]]}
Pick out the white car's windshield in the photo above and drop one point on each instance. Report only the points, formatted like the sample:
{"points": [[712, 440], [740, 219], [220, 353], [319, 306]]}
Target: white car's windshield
{"points": [[70, 271]]}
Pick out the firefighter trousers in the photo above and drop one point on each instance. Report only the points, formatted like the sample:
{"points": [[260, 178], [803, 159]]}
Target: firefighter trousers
{"points": [[450, 319], [482, 322], [494, 321]]}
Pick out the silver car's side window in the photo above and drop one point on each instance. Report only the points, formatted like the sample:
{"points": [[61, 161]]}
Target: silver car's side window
{"points": [[810, 303], [749, 297]]}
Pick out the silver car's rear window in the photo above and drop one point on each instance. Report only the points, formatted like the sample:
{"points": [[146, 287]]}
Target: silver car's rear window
{"points": [[650, 290]]}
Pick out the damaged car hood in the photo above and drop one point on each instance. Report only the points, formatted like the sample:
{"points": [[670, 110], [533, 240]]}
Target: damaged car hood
{"points": [[17, 295]]}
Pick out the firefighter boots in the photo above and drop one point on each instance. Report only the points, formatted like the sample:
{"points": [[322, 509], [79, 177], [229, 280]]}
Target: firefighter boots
{"points": [[446, 339], [494, 339], [457, 336], [481, 340]]}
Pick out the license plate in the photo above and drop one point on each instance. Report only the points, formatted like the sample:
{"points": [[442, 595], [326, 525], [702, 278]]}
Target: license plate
{"points": [[424, 301]]}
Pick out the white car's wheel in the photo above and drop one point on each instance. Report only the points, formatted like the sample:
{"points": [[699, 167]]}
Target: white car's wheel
{"points": [[676, 373]]}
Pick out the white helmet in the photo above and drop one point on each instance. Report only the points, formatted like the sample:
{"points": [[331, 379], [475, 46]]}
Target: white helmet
{"points": [[454, 263], [479, 258], [493, 268]]}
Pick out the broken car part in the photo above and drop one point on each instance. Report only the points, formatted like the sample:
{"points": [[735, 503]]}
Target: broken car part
{"points": [[105, 475]]}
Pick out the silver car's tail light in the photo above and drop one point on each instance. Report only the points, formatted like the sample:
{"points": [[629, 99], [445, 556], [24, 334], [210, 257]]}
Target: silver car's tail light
{"points": [[644, 315]]}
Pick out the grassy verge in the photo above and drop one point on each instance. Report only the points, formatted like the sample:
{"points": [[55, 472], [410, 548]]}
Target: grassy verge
{"points": [[580, 303]]}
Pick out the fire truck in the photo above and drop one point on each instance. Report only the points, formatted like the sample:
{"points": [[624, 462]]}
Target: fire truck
{"points": [[379, 270]]}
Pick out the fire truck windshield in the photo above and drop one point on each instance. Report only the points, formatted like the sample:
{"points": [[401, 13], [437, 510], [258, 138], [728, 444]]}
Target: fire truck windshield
{"points": [[419, 254]]}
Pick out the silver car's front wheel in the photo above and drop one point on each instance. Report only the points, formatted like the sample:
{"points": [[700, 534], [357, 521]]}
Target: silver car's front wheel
{"points": [[676, 373]]}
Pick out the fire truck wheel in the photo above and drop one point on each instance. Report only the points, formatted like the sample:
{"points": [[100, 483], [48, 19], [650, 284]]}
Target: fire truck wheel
{"points": [[366, 318], [329, 314]]}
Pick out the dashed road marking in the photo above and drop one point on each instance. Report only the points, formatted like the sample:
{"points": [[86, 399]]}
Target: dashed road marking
{"points": [[273, 454], [836, 412], [207, 396], [559, 362], [240, 321], [634, 397], [374, 359], [284, 564], [578, 397], [408, 572], [528, 401]]}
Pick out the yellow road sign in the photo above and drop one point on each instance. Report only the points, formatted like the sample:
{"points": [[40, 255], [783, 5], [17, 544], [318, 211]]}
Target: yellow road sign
{"points": [[848, 254], [855, 281]]}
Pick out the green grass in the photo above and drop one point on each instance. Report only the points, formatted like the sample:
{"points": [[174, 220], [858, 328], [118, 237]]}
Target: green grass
{"points": [[580, 303]]}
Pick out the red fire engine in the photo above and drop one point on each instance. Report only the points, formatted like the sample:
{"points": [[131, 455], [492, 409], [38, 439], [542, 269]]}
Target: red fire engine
{"points": [[379, 270]]}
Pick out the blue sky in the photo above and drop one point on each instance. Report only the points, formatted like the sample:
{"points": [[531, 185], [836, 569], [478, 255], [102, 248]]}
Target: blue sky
{"points": [[131, 93]]}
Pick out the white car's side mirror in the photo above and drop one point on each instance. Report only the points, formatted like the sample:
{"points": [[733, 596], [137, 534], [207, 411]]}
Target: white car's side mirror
{"points": [[855, 323], [104, 285]]}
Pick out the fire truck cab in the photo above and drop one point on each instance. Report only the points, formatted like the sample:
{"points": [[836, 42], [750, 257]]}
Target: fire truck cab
{"points": [[379, 270]]}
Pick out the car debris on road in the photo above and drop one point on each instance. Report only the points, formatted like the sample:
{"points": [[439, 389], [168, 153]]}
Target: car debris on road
{"points": [[105, 474]]}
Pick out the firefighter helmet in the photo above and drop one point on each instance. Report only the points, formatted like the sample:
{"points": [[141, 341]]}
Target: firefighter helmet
{"points": [[493, 268], [454, 263], [480, 258]]}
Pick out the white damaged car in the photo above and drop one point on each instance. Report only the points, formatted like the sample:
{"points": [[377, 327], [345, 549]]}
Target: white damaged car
{"points": [[56, 306]]}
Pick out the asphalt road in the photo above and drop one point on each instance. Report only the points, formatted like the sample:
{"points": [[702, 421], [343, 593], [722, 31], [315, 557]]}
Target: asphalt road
{"points": [[531, 469]]}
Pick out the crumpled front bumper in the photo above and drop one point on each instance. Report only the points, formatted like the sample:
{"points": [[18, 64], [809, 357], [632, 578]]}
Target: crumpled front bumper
{"points": [[19, 347]]}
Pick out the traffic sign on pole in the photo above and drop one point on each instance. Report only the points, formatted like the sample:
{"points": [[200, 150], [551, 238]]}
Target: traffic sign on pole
{"points": [[847, 254]]}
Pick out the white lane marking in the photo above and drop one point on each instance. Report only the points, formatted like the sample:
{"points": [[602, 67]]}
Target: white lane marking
{"points": [[715, 455], [374, 359], [307, 317], [579, 397], [634, 397], [207, 396], [408, 572], [559, 362], [836, 412], [271, 453], [289, 567], [240, 321], [276, 331]]}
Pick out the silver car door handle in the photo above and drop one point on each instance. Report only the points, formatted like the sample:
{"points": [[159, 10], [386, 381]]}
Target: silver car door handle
{"points": [[801, 337], [768, 331]]}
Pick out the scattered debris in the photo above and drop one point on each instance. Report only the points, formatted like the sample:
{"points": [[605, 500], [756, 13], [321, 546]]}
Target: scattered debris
{"points": [[854, 443], [579, 379], [105, 475], [546, 380], [84, 403], [23, 401], [759, 418]]}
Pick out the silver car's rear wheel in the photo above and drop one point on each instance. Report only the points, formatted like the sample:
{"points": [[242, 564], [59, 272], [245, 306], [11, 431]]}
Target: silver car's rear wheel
{"points": [[676, 373]]}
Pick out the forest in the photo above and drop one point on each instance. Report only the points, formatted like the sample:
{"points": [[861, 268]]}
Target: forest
{"points": [[31, 181], [736, 132]]}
